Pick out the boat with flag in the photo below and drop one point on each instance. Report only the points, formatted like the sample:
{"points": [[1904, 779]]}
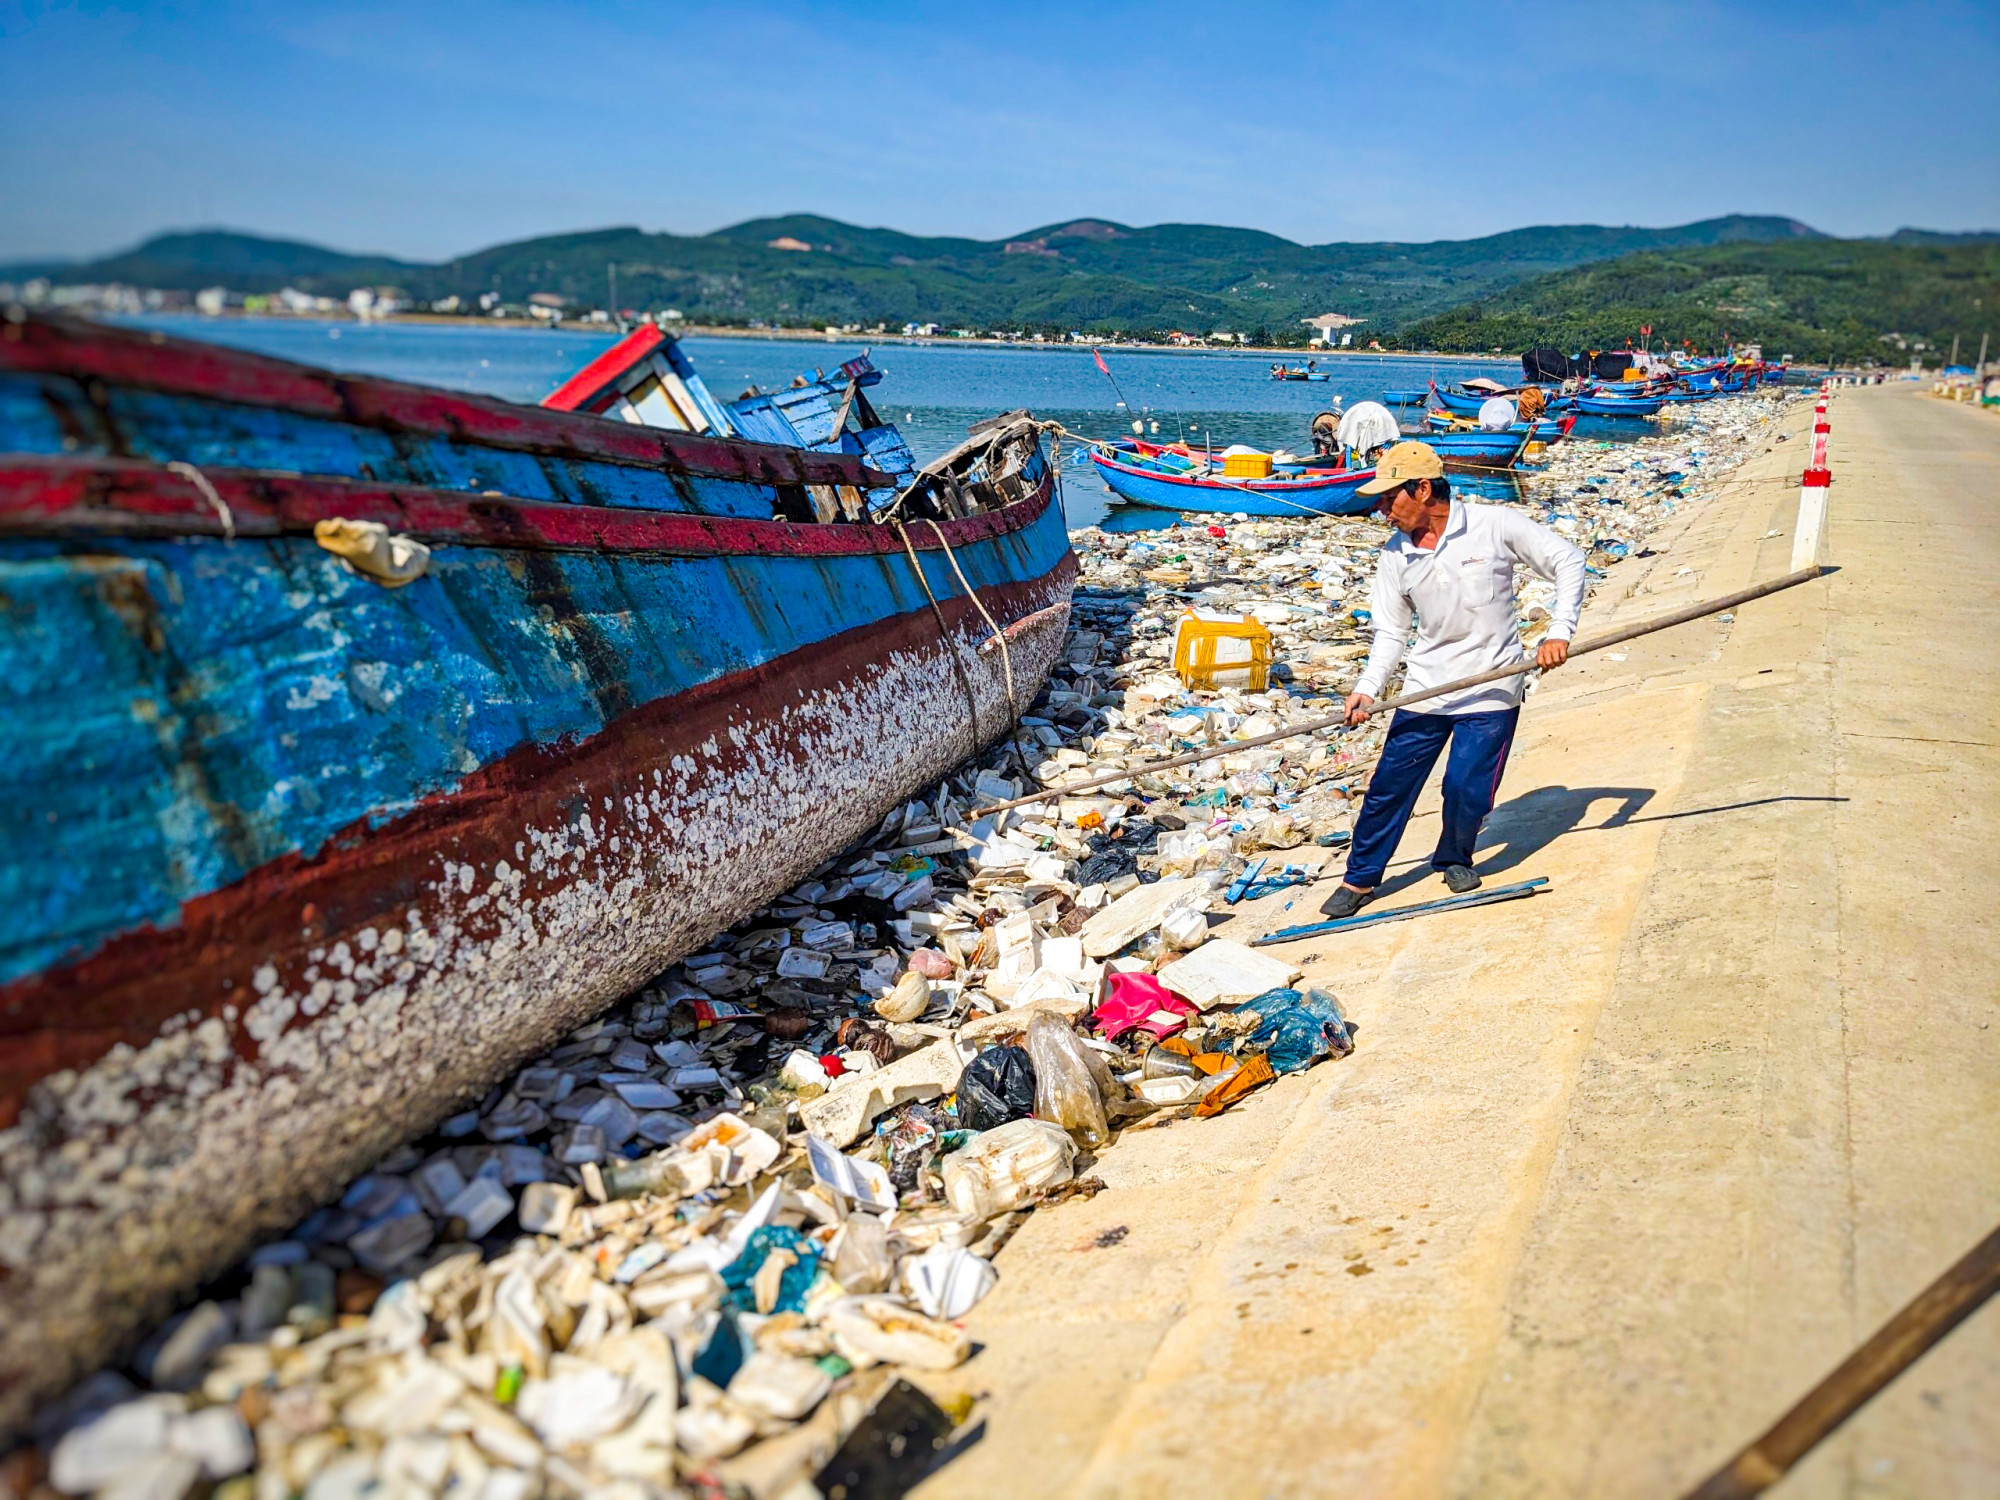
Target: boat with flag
{"points": [[360, 739]]}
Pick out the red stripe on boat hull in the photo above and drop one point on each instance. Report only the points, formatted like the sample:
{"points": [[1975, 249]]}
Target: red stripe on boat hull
{"points": [[119, 497], [155, 362]]}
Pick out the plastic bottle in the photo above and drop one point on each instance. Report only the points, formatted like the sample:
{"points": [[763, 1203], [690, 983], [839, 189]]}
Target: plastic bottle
{"points": [[1005, 1167]]}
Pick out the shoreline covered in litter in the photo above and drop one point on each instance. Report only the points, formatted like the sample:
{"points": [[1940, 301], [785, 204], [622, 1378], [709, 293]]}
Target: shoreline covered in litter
{"points": [[692, 1245]]}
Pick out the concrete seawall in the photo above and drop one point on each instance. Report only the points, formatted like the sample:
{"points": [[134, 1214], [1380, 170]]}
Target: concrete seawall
{"points": [[1617, 1173]]}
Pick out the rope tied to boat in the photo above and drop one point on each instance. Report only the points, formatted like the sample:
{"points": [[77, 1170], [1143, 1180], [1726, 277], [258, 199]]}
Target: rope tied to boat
{"points": [[944, 626], [1006, 656], [199, 480]]}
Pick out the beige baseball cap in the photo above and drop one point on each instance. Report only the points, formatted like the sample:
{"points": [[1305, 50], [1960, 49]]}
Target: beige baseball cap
{"points": [[1401, 464]]}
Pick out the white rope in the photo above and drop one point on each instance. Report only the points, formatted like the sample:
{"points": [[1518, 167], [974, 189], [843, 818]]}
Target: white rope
{"points": [[1006, 656], [194, 476], [944, 629]]}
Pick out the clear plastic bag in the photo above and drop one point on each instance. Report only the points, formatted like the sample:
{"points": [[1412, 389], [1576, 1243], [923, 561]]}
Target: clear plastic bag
{"points": [[1066, 1092]]}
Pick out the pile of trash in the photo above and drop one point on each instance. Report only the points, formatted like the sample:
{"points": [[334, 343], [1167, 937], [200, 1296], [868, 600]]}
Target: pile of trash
{"points": [[691, 1249]]}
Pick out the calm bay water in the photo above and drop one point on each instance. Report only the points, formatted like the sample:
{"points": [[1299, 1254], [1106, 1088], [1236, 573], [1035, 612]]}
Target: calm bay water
{"points": [[932, 391]]}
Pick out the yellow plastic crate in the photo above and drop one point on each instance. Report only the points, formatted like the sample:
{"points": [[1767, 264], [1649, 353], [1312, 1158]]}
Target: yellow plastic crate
{"points": [[1212, 652], [1246, 466]]}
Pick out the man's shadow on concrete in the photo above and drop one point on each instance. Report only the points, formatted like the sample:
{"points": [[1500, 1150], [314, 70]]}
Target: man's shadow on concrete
{"points": [[1518, 830]]}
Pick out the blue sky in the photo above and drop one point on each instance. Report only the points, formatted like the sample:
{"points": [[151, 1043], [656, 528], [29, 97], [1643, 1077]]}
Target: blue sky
{"points": [[426, 130]]}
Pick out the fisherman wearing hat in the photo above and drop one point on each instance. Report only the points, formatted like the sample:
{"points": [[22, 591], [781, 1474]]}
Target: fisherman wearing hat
{"points": [[1449, 567]]}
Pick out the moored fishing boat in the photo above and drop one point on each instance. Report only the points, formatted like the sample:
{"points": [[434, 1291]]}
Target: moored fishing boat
{"points": [[1466, 402], [1164, 478], [1484, 450], [1617, 406], [1404, 398], [360, 739], [1543, 430]]}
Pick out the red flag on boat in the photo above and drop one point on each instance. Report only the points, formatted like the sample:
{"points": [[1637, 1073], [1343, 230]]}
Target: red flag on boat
{"points": [[1100, 361]]}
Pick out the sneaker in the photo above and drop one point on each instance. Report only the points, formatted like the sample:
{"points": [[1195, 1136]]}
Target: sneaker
{"points": [[1345, 902], [1461, 878]]}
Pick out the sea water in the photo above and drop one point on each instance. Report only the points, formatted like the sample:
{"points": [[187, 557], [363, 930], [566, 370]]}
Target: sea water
{"points": [[933, 392]]}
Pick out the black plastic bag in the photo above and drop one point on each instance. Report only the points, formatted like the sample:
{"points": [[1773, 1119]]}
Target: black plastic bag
{"points": [[997, 1086]]}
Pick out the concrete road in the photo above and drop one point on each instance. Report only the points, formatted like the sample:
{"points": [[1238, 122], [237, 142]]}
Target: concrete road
{"points": [[1617, 1173]]}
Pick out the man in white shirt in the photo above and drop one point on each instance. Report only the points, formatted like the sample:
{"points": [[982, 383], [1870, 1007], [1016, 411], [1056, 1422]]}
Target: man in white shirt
{"points": [[1449, 567]]}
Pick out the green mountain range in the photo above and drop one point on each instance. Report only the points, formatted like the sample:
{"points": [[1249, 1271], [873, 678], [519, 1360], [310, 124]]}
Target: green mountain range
{"points": [[1574, 286], [1852, 300], [801, 269]]}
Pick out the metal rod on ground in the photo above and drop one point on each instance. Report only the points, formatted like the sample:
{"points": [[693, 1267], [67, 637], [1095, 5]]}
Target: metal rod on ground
{"points": [[1403, 913], [1897, 1345], [1331, 721]]}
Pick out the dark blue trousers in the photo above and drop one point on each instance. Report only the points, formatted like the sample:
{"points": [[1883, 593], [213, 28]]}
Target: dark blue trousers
{"points": [[1479, 746]]}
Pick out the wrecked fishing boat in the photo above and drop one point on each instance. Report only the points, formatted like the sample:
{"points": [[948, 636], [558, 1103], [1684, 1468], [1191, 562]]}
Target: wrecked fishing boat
{"points": [[360, 739]]}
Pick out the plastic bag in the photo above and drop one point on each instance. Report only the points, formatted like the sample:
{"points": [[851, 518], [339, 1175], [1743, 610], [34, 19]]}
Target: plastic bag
{"points": [[792, 1281], [996, 1086], [912, 1144], [1296, 1030], [1139, 1001], [1066, 1092], [861, 1259]]}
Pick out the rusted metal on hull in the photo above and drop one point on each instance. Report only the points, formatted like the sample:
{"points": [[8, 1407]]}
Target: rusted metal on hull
{"points": [[293, 1027]]}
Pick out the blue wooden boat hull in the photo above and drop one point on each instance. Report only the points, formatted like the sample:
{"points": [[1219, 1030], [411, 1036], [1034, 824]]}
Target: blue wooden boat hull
{"points": [[1290, 497], [1468, 406], [1453, 401], [1404, 398], [1441, 425], [1592, 406], [295, 863], [1485, 449]]}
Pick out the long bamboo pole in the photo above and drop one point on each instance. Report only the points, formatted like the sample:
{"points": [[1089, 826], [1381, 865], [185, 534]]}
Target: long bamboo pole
{"points": [[1897, 1344], [1330, 721]]}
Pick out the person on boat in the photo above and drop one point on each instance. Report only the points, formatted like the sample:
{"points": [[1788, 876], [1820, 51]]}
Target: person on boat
{"points": [[1531, 404], [1448, 566]]}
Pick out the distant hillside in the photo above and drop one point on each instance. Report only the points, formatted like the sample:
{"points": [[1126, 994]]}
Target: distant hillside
{"points": [[1852, 299], [1907, 236], [190, 260], [1087, 273]]}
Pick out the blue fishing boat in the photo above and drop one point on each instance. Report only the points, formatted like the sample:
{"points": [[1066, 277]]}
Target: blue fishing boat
{"points": [[1404, 398], [359, 739], [1458, 401], [1299, 372], [1543, 430], [1617, 406], [1467, 403], [1164, 479], [1485, 450]]}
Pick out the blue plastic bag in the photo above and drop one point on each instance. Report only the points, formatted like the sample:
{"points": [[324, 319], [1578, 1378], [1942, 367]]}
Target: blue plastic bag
{"points": [[792, 1287], [1296, 1030]]}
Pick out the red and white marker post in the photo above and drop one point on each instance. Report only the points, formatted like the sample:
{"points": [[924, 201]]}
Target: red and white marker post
{"points": [[1807, 535]]}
